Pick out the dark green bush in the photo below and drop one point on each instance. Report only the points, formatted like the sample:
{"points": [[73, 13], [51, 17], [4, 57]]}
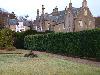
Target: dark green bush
{"points": [[18, 40], [81, 44], [98, 55], [19, 37]]}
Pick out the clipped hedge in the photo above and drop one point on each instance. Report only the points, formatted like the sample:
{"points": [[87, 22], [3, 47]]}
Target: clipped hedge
{"points": [[81, 44], [19, 37]]}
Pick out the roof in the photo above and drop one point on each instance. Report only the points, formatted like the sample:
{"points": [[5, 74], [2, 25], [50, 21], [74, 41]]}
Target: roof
{"points": [[13, 22], [27, 23], [59, 18], [75, 11]]}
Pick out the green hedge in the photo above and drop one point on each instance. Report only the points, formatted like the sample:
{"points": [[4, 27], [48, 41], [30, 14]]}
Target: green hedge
{"points": [[19, 37], [6, 38], [81, 44]]}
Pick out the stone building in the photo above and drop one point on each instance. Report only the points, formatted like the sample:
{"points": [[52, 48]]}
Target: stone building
{"points": [[69, 20]]}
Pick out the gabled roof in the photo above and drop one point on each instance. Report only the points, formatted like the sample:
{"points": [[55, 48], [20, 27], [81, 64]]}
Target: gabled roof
{"points": [[60, 18]]}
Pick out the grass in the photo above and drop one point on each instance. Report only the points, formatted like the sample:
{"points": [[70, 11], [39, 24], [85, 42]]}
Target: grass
{"points": [[16, 64]]}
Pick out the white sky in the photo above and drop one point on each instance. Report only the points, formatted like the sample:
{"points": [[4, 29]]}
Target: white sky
{"points": [[24, 7]]}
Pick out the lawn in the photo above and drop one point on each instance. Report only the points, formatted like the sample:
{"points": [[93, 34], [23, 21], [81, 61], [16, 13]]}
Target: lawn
{"points": [[17, 64]]}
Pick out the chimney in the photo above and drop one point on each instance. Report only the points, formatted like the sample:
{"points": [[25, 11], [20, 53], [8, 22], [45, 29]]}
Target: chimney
{"points": [[70, 4], [84, 3], [37, 13], [43, 9]]}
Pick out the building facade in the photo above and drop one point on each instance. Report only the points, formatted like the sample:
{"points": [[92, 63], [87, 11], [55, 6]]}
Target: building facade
{"points": [[18, 26], [69, 20], [21, 27]]}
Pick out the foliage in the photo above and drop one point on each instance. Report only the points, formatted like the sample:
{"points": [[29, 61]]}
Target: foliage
{"points": [[19, 37], [81, 44], [97, 21], [2, 21], [6, 38]]}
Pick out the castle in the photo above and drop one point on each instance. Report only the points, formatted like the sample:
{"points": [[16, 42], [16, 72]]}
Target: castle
{"points": [[69, 20]]}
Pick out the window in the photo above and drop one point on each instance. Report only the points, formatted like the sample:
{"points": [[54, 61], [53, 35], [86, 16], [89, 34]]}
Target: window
{"points": [[69, 12], [64, 26], [90, 23], [81, 23], [59, 28], [48, 28], [36, 28], [41, 28], [69, 27]]}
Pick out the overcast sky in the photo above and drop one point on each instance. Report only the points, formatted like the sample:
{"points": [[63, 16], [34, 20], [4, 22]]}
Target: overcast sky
{"points": [[24, 7]]}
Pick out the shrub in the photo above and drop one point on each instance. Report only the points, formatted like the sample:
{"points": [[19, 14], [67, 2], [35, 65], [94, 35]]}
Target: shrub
{"points": [[18, 40], [98, 55], [19, 37], [6, 38], [81, 44]]}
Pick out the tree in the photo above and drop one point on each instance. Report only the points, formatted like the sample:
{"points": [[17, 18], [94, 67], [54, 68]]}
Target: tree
{"points": [[2, 20], [6, 38], [97, 21]]}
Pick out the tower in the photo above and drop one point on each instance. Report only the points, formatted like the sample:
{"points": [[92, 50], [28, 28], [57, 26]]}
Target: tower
{"points": [[84, 3], [69, 18]]}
